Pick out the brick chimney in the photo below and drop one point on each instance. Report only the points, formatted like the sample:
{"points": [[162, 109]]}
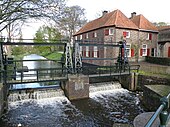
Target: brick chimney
{"points": [[133, 14], [104, 12]]}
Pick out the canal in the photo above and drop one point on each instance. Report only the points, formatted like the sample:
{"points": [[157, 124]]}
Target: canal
{"points": [[108, 104]]}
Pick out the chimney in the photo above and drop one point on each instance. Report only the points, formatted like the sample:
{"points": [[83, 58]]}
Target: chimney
{"points": [[133, 14], [104, 12]]}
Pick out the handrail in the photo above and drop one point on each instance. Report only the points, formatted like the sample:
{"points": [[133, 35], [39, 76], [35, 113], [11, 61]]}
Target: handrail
{"points": [[161, 112]]}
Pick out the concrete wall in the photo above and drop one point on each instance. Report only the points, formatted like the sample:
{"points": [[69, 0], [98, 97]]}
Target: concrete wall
{"points": [[77, 87]]}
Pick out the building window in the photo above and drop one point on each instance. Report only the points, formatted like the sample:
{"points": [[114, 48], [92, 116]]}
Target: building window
{"points": [[87, 35], [87, 51], [95, 34], [128, 51], [81, 37], [111, 31], [75, 37], [149, 37], [126, 34], [95, 52], [144, 50], [81, 50]]}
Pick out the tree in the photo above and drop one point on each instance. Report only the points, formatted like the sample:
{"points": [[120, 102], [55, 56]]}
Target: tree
{"points": [[47, 34], [20, 10], [71, 20], [160, 23]]}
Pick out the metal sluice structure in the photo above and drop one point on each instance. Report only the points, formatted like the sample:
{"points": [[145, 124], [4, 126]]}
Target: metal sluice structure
{"points": [[71, 62]]}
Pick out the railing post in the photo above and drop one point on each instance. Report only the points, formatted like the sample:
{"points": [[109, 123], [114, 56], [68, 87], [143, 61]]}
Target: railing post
{"points": [[37, 75], [164, 114]]}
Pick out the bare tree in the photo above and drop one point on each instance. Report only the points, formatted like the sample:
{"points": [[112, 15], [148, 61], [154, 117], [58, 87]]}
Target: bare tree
{"points": [[72, 18], [20, 10]]}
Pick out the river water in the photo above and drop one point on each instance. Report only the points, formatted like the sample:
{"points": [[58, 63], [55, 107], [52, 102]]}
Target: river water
{"points": [[108, 104]]}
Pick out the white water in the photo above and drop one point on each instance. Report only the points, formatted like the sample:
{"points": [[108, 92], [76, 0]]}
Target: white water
{"points": [[104, 86], [35, 94]]}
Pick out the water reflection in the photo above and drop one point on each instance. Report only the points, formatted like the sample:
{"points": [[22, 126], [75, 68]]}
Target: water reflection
{"points": [[32, 74]]}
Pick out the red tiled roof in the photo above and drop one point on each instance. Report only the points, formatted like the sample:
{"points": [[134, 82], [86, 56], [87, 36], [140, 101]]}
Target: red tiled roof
{"points": [[115, 18], [160, 28], [143, 23]]}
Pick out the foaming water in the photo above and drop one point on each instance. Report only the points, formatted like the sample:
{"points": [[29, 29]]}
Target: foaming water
{"points": [[34, 94], [103, 108], [96, 87]]}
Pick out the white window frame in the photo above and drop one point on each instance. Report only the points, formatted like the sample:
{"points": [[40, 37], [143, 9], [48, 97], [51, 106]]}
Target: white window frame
{"points": [[128, 34], [75, 37], [144, 50], [87, 51], [148, 36], [81, 37], [111, 31], [87, 35], [128, 50], [95, 51], [81, 49], [95, 34]]}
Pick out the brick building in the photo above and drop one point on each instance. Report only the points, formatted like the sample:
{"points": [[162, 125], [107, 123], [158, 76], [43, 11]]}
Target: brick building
{"points": [[112, 27], [164, 41]]}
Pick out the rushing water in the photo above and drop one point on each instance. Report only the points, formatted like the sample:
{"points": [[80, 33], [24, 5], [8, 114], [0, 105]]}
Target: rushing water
{"points": [[108, 104], [102, 109]]}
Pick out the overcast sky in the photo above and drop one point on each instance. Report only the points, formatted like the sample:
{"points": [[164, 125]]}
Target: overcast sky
{"points": [[153, 10]]}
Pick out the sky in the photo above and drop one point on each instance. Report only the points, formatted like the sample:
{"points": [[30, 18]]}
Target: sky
{"points": [[153, 10]]}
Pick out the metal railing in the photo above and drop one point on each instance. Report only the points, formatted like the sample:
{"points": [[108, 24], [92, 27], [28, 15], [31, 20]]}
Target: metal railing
{"points": [[109, 70], [162, 112], [43, 74]]}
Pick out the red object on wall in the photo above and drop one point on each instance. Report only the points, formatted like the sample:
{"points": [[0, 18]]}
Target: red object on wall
{"points": [[169, 52], [92, 54], [132, 52], [106, 32], [89, 53], [141, 52], [148, 52], [84, 53], [150, 36], [124, 34]]}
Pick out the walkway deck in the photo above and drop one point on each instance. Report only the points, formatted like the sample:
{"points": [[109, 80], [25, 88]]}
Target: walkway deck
{"points": [[39, 80]]}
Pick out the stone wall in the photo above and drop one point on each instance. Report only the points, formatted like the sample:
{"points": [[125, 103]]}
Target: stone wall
{"points": [[148, 80], [158, 60]]}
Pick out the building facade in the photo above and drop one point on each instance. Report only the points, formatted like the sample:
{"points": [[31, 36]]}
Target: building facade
{"points": [[140, 36], [164, 41]]}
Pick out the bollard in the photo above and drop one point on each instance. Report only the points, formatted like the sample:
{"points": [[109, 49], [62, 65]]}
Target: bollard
{"points": [[164, 114]]}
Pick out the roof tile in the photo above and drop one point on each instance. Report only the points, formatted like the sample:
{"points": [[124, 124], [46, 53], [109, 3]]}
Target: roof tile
{"points": [[143, 23], [115, 18]]}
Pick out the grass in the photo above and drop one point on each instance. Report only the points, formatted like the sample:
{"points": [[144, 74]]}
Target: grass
{"points": [[54, 56], [153, 74]]}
